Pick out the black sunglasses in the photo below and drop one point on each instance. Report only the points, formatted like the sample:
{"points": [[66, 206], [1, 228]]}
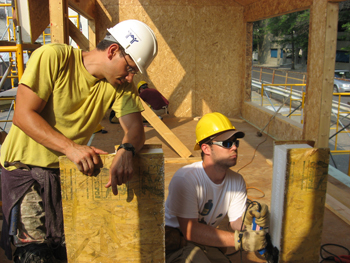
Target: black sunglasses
{"points": [[227, 144]]}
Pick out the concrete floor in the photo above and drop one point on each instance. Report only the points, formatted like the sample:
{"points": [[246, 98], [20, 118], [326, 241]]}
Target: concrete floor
{"points": [[252, 163]]}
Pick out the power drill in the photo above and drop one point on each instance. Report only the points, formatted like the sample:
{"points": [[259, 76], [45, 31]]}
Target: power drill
{"points": [[270, 253]]}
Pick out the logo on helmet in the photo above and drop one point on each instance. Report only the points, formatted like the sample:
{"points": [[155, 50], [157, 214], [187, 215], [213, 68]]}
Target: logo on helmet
{"points": [[134, 39]]}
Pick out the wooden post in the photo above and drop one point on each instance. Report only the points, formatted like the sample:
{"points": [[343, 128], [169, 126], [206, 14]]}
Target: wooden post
{"points": [[273, 76], [260, 74], [320, 68], [59, 21], [286, 81], [102, 227]]}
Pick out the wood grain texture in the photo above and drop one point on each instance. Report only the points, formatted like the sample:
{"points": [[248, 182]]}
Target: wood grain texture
{"points": [[101, 227], [305, 196]]}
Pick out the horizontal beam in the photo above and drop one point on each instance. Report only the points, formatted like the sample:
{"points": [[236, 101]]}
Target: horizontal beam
{"points": [[85, 8]]}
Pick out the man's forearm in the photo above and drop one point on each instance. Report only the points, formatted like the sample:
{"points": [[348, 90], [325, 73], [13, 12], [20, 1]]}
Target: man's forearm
{"points": [[209, 236], [133, 129]]}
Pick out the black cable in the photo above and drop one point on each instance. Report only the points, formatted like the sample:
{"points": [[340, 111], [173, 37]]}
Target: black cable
{"points": [[250, 203], [253, 155], [332, 257]]}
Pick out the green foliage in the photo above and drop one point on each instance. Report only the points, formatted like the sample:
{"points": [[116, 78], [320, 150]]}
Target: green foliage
{"points": [[291, 29]]}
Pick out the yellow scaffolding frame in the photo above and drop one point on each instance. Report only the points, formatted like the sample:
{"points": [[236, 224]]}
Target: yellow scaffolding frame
{"points": [[291, 99], [339, 112]]}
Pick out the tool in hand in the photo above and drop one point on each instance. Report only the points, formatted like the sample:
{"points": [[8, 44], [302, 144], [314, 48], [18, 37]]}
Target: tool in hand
{"points": [[270, 253]]}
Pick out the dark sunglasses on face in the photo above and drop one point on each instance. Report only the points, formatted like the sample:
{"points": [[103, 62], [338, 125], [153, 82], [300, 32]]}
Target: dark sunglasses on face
{"points": [[228, 143]]}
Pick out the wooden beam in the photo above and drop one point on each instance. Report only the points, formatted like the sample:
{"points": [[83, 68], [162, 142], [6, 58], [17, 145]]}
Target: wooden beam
{"points": [[182, 160], [33, 17], [85, 8], [342, 211], [59, 21], [78, 37], [263, 9], [128, 227], [165, 132], [320, 68], [92, 34]]}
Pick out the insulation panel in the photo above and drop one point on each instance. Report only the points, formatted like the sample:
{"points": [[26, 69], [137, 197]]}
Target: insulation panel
{"points": [[298, 200]]}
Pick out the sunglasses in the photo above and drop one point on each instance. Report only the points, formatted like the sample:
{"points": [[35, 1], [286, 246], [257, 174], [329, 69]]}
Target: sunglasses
{"points": [[227, 144]]}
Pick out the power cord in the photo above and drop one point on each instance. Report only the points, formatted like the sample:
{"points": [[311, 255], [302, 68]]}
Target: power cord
{"points": [[335, 258], [253, 154], [249, 204]]}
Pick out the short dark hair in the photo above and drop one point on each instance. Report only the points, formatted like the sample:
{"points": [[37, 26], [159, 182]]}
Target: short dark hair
{"points": [[104, 44]]}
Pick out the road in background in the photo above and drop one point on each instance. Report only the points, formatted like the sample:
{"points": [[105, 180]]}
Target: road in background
{"points": [[342, 140]]}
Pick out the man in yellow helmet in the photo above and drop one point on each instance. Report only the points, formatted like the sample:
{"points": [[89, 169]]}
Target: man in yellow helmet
{"points": [[203, 193]]}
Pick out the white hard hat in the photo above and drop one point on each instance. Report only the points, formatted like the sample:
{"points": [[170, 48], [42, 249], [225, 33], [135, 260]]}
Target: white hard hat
{"points": [[138, 40]]}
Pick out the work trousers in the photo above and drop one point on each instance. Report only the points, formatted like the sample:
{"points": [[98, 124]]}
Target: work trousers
{"points": [[31, 202], [196, 253]]}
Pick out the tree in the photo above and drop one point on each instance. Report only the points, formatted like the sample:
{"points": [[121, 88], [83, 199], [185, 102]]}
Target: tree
{"points": [[291, 29], [344, 23]]}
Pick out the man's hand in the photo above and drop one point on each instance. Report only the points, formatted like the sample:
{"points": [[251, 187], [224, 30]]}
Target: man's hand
{"points": [[121, 170], [261, 217], [84, 157], [250, 240]]}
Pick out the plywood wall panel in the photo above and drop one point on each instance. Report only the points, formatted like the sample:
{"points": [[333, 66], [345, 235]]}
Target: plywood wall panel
{"points": [[280, 128], [219, 60], [199, 64]]}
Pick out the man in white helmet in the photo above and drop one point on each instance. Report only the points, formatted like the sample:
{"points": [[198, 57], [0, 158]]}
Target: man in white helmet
{"points": [[62, 97], [203, 193]]}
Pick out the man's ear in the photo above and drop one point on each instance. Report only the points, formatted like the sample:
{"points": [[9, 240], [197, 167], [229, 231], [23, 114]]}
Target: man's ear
{"points": [[206, 148], [113, 50]]}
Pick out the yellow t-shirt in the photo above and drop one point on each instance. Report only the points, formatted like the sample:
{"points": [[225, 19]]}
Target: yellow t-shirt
{"points": [[76, 103]]}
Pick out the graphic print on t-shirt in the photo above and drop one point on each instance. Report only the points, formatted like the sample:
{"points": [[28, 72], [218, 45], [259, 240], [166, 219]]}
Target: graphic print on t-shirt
{"points": [[207, 207]]}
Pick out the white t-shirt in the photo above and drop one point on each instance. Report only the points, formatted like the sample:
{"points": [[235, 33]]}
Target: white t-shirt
{"points": [[193, 195]]}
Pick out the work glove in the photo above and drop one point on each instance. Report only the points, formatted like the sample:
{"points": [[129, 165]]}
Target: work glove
{"points": [[250, 240], [262, 217]]}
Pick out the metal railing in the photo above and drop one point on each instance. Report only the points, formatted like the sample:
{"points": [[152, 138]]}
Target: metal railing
{"points": [[287, 93]]}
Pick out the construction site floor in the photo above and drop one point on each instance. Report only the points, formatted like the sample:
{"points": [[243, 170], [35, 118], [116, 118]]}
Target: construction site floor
{"points": [[254, 163]]}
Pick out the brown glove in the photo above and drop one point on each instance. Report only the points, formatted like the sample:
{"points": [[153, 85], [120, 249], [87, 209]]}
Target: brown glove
{"points": [[261, 217], [250, 240]]}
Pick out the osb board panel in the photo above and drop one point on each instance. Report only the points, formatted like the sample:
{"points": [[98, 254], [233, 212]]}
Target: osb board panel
{"points": [[101, 227], [39, 17], [269, 8], [199, 64], [305, 195], [220, 56], [280, 127], [320, 71], [315, 67], [247, 91]]}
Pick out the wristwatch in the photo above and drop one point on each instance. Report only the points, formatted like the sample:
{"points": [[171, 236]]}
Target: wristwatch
{"points": [[127, 147]]}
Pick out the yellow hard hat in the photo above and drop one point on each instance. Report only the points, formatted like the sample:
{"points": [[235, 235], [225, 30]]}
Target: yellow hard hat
{"points": [[141, 83], [215, 123]]}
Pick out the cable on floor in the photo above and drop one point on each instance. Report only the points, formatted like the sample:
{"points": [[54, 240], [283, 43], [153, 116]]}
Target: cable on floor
{"points": [[333, 257], [253, 154]]}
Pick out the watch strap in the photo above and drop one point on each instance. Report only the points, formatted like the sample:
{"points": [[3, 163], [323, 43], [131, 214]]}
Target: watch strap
{"points": [[127, 147]]}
